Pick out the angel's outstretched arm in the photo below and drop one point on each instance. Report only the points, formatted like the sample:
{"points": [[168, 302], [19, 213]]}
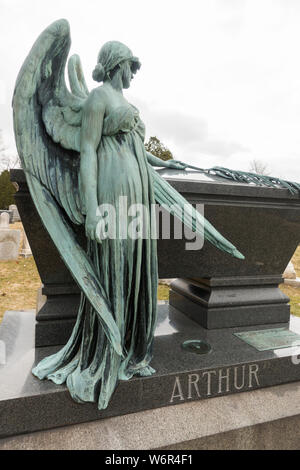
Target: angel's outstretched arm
{"points": [[155, 161], [91, 130]]}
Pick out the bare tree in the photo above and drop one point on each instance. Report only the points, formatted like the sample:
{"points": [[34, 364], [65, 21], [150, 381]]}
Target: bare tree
{"points": [[2, 146], [3, 156], [259, 167]]}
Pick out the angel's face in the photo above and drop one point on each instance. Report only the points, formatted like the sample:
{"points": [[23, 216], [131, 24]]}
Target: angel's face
{"points": [[127, 74]]}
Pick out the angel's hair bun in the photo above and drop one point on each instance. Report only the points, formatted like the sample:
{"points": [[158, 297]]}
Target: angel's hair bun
{"points": [[99, 73]]}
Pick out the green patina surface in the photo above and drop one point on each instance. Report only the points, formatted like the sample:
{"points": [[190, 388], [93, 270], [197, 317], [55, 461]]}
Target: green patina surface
{"points": [[274, 338], [79, 150]]}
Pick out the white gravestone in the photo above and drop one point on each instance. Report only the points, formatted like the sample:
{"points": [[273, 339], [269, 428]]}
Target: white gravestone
{"points": [[289, 272], [290, 276], [15, 213], [9, 239], [4, 220], [26, 250]]}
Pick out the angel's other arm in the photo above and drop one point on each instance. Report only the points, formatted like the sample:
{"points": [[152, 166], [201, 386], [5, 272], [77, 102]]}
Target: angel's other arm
{"points": [[91, 130]]}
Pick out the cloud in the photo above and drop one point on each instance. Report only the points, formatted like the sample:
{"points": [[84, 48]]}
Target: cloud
{"points": [[219, 82], [178, 126], [188, 133], [221, 148]]}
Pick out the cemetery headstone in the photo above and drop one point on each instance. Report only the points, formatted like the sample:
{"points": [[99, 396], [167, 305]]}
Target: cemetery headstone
{"points": [[289, 272], [9, 212], [15, 213], [26, 250]]}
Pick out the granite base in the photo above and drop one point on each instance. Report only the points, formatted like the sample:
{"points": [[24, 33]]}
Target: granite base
{"points": [[264, 419], [28, 404]]}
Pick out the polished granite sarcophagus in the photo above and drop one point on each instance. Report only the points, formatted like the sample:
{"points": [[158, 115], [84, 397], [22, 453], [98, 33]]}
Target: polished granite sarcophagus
{"points": [[211, 287]]}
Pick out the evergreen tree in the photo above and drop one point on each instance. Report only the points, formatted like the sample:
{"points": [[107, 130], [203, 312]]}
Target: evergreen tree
{"points": [[7, 190]]}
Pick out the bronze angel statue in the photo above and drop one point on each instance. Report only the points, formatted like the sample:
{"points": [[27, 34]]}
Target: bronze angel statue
{"points": [[80, 149]]}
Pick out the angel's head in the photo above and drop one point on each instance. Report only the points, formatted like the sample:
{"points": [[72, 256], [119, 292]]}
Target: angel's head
{"points": [[114, 59]]}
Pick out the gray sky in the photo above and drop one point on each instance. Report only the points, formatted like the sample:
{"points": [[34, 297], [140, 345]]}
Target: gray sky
{"points": [[220, 79]]}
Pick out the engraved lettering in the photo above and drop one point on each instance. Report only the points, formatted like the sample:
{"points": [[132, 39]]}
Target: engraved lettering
{"points": [[177, 388], [193, 380], [253, 370], [209, 374], [224, 377], [296, 360], [236, 386]]}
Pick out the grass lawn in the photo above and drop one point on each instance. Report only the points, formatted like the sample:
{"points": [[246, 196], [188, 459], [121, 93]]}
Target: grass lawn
{"points": [[19, 281], [163, 292], [294, 292]]}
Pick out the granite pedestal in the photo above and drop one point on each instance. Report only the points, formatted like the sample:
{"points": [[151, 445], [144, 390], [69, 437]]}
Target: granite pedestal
{"points": [[232, 367], [215, 296], [265, 419]]}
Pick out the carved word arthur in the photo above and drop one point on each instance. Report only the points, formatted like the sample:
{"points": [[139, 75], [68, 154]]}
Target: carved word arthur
{"points": [[215, 382]]}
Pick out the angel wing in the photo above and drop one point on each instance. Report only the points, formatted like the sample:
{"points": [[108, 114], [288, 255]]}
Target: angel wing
{"points": [[62, 114], [76, 77], [47, 119]]}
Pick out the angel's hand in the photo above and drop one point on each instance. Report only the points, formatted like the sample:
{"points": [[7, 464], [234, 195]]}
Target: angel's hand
{"points": [[176, 164], [91, 227]]}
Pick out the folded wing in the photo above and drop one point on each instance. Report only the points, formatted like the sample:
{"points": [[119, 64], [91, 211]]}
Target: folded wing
{"points": [[47, 119]]}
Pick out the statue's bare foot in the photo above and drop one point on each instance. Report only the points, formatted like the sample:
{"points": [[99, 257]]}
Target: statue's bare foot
{"points": [[146, 371]]}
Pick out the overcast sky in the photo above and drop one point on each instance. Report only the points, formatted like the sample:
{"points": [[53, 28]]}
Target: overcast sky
{"points": [[220, 79]]}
